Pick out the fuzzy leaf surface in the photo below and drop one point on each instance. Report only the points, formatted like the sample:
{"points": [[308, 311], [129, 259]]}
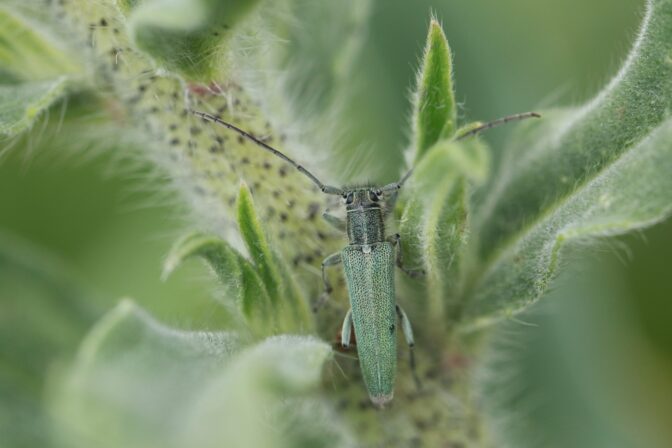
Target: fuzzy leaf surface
{"points": [[28, 48], [239, 277], [599, 170], [285, 296], [21, 104], [190, 388], [435, 111], [184, 35], [434, 225], [44, 313]]}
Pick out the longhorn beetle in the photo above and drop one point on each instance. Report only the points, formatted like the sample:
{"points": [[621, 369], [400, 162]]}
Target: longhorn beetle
{"points": [[368, 261]]}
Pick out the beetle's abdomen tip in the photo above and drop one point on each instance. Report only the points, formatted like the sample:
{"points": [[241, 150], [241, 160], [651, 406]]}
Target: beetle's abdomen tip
{"points": [[381, 400]]}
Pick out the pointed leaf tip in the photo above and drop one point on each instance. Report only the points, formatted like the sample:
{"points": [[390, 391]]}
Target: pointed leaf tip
{"points": [[290, 306], [435, 110], [256, 242]]}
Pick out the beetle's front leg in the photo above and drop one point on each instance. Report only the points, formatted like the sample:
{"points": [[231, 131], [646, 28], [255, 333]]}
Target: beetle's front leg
{"points": [[413, 273], [331, 260], [407, 329], [335, 221]]}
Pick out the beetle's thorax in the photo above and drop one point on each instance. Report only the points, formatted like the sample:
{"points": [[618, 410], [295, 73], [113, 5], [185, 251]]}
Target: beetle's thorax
{"points": [[365, 221]]}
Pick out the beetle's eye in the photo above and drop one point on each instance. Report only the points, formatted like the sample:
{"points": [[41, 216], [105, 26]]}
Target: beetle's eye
{"points": [[349, 198], [374, 196]]}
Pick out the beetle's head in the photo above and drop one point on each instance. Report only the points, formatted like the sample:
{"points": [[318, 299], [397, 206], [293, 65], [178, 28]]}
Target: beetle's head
{"points": [[363, 198]]}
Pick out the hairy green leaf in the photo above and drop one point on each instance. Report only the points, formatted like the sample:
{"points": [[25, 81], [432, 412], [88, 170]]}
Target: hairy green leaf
{"points": [[257, 243], [598, 170], [434, 226], [239, 277], [139, 383], [434, 111], [28, 51], [21, 104], [538, 383], [247, 397], [184, 35], [322, 82], [133, 379], [285, 296]]}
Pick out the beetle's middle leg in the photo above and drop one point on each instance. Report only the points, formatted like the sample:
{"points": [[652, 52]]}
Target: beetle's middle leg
{"points": [[346, 329], [413, 273], [407, 329], [331, 260]]}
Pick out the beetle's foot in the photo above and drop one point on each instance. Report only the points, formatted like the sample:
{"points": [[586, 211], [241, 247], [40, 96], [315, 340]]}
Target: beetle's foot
{"points": [[414, 273], [319, 303]]}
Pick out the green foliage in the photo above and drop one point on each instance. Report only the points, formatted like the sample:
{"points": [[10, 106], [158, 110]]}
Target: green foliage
{"points": [[34, 71], [138, 383], [21, 104], [285, 295], [597, 170], [264, 289], [45, 313], [240, 278], [435, 223], [593, 171], [435, 220], [172, 32], [489, 248], [435, 111], [29, 51]]}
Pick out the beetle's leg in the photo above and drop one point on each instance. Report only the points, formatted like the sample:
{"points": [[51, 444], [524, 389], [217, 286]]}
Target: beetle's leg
{"points": [[407, 329], [413, 273], [346, 329], [331, 260], [391, 202], [335, 221]]}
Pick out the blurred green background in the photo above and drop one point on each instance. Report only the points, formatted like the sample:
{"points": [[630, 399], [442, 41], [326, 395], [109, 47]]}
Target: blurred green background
{"points": [[604, 351]]}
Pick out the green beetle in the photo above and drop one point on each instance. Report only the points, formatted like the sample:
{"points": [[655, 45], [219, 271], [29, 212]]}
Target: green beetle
{"points": [[368, 261]]}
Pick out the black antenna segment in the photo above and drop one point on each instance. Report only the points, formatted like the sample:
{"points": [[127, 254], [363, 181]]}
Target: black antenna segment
{"points": [[498, 122], [323, 188], [477, 130]]}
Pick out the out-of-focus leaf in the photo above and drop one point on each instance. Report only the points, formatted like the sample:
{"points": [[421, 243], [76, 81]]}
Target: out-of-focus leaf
{"points": [[28, 51], [184, 35], [21, 104], [434, 111], [577, 369], [133, 379], [139, 383], [599, 170], [243, 406], [43, 314], [322, 83]]}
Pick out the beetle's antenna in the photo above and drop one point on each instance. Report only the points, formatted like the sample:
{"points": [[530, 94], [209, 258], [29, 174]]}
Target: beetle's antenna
{"points": [[498, 122], [484, 127], [396, 186], [324, 188]]}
